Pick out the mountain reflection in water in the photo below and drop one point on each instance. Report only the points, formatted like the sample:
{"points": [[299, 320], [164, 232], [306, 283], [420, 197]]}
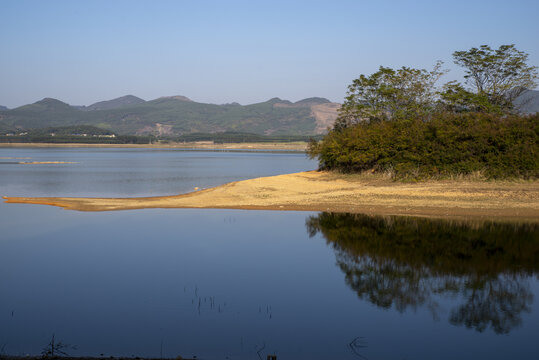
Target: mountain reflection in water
{"points": [[481, 269]]}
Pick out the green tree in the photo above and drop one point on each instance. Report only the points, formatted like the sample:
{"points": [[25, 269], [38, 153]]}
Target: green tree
{"points": [[495, 79], [460, 129], [454, 98], [390, 94]]}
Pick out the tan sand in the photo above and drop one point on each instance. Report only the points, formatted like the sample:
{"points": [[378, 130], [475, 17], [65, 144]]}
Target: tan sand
{"points": [[323, 191]]}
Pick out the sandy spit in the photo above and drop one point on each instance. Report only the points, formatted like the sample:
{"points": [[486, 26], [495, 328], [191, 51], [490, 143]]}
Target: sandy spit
{"points": [[323, 191]]}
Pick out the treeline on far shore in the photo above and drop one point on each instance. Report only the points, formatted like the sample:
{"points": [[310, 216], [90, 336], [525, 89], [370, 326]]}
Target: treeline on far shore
{"points": [[240, 137], [73, 139], [85, 134]]}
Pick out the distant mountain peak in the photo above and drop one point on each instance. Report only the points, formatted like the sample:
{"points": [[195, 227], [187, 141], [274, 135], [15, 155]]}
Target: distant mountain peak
{"points": [[303, 103], [528, 102], [313, 100], [130, 98], [49, 100], [114, 103], [177, 97], [51, 104], [3, 108], [277, 100]]}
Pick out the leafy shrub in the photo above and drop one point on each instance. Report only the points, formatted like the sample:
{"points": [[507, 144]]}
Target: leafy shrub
{"points": [[447, 145]]}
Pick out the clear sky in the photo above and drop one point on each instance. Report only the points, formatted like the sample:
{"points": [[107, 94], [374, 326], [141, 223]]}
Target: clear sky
{"points": [[81, 52]]}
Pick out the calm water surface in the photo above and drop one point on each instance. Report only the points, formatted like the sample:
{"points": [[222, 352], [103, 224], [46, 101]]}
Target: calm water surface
{"points": [[233, 284]]}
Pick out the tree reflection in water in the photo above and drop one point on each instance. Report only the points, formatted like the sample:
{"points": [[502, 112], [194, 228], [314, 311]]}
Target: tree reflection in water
{"points": [[406, 263]]}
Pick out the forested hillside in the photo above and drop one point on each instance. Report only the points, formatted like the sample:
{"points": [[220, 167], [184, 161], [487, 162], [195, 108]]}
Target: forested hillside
{"points": [[177, 115]]}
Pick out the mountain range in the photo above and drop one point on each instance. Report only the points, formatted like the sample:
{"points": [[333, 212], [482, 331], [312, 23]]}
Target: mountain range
{"points": [[113, 104], [177, 115], [528, 102]]}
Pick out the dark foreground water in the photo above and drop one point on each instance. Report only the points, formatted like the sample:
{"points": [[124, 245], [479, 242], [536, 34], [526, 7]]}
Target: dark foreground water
{"points": [[237, 284]]}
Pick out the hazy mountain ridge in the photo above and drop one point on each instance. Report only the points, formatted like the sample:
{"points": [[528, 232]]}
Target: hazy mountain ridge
{"points": [[3, 108], [528, 102], [176, 115], [43, 113], [113, 104], [177, 97]]}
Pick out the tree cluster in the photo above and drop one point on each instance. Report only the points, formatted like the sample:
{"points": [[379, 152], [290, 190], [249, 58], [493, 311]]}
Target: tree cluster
{"points": [[448, 145], [390, 94], [400, 121], [494, 78]]}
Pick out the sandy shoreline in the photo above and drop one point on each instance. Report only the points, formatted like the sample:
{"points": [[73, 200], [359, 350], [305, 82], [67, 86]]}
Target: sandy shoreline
{"points": [[205, 145], [323, 191]]}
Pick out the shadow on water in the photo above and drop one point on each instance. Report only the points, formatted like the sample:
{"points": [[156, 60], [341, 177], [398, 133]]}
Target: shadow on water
{"points": [[483, 269]]}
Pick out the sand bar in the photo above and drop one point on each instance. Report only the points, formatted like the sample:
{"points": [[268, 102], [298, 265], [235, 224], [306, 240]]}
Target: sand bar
{"points": [[324, 191]]}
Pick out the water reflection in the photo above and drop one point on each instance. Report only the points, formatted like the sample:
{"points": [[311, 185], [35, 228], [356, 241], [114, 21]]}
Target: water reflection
{"points": [[406, 263]]}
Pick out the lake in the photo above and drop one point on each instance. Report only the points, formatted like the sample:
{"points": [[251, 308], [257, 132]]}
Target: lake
{"points": [[239, 284]]}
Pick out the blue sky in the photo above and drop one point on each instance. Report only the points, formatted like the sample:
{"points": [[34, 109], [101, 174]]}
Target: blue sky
{"points": [[246, 51]]}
